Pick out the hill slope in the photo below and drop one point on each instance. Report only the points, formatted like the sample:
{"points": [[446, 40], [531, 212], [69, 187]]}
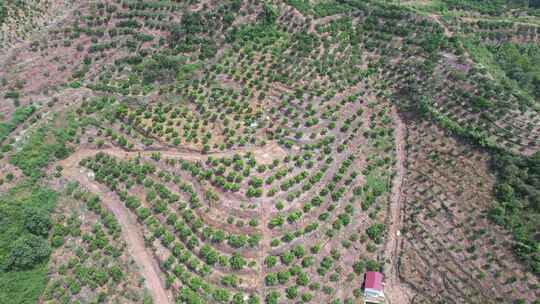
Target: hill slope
{"points": [[269, 151]]}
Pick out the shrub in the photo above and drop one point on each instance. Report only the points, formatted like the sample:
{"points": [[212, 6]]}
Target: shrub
{"points": [[37, 221], [359, 267], [116, 273], [375, 232], [272, 297], [28, 251], [236, 261], [372, 265], [292, 292]]}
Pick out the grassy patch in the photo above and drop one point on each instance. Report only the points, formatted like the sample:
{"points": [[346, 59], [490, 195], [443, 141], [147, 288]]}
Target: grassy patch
{"points": [[302, 6], [45, 144], [22, 287], [19, 116]]}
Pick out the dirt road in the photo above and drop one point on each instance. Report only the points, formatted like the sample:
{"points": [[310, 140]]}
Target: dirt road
{"points": [[396, 292], [130, 232], [263, 155]]}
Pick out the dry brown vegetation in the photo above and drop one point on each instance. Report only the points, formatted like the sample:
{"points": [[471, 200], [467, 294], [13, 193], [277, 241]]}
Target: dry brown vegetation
{"points": [[451, 248]]}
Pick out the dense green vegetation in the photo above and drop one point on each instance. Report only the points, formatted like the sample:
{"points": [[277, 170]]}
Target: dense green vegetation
{"points": [[521, 63], [24, 244], [516, 67], [25, 210], [518, 193], [3, 12], [490, 7], [327, 8]]}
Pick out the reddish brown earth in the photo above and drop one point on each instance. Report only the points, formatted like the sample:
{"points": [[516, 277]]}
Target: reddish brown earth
{"points": [[395, 290]]}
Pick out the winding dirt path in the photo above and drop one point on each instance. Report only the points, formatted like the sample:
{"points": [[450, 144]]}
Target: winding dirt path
{"points": [[130, 232], [263, 155], [396, 291]]}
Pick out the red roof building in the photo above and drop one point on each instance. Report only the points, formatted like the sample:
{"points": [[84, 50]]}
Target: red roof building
{"points": [[373, 280], [373, 287]]}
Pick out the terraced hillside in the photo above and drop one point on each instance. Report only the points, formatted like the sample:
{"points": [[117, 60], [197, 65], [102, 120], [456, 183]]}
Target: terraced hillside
{"points": [[196, 151]]}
